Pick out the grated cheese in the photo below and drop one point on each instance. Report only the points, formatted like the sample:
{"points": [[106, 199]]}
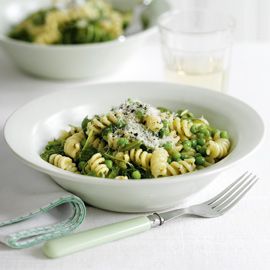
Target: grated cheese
{"points": [[136, 130]]}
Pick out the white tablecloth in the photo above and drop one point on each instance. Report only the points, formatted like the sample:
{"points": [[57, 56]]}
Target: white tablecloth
{"points": [[238, 240]]}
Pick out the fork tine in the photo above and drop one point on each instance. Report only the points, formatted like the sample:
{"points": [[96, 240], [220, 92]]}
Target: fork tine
{"points": [[235, 199], [233, 193], [245, 182], [223, 192]]}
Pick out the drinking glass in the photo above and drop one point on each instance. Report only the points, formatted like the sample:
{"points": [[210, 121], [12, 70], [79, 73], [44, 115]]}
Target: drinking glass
{"points": [[196, 46]]}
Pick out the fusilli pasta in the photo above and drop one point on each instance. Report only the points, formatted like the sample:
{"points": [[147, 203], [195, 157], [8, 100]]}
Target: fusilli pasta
{"points": [[182, 127], [135, 141], [99, 123], [159, 162], [153, 122], [218, 148], [96, 165], [93, 21], [181, 167], [72, 144], [63, 162]]}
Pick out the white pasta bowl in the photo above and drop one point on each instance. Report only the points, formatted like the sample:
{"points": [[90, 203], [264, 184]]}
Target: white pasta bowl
{"points": [[42, 119], [70, 61]]}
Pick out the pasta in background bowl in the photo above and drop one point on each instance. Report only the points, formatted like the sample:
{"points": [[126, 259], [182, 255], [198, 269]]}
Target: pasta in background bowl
{"points": [[73, 49], [46, 118]]}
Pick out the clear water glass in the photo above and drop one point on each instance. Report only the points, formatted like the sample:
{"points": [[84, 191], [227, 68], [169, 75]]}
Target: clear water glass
{"points": [[196, 47]]}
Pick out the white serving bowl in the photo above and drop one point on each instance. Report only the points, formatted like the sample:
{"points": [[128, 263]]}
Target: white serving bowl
{"points": [[29, 129], [69, 61]]}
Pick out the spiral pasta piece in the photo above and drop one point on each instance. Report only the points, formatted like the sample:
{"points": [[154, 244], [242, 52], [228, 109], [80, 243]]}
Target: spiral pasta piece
{"points": [[159, 162], [96, 164], [174, 137], [99, 123], [124, 156], [182, 127], [65, 134], [121, 177], [63, 162], [140, 157], [181, 167], [209, 161], [112, 141], [216, 135], [72, 144], [98, 143], [74, 130], [153, 122], [218, 148]]}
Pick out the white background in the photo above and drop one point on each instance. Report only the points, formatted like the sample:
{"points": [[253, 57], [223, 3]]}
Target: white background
{"points": [[252, 16]]}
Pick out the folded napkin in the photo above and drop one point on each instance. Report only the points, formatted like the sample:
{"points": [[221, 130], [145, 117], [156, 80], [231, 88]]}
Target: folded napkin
{"points": [[32, 207]]}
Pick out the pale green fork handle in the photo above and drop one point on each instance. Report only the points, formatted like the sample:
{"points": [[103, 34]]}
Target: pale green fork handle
{"points": [[94, 237]]}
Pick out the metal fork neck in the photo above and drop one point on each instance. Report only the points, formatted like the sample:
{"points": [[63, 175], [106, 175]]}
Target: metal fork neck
{"points": [[156, 220]]}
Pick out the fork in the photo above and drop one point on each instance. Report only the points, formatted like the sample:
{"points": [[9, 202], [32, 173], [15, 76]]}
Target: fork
{"points": [[214, 207]]}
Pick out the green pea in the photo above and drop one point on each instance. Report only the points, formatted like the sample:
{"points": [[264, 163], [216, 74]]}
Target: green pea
{"points": [[176, 156], [165, 123], [204, 131], [122, 142], [198, 155], [224, 134], [187, 145], [194, 143], [136, 175], [201, 141], [200, 135], [194, 129], [168, 146], [202, 151], [109, 163], [198, 148], [184, 156], [202, 128], [139, 114], [199, 160]]}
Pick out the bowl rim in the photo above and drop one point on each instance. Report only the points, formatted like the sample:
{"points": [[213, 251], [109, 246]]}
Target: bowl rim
{"points": [[216, 168]]}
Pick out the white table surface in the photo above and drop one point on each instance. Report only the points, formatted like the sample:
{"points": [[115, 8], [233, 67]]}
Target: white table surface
{"points": [[238, 240]]}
